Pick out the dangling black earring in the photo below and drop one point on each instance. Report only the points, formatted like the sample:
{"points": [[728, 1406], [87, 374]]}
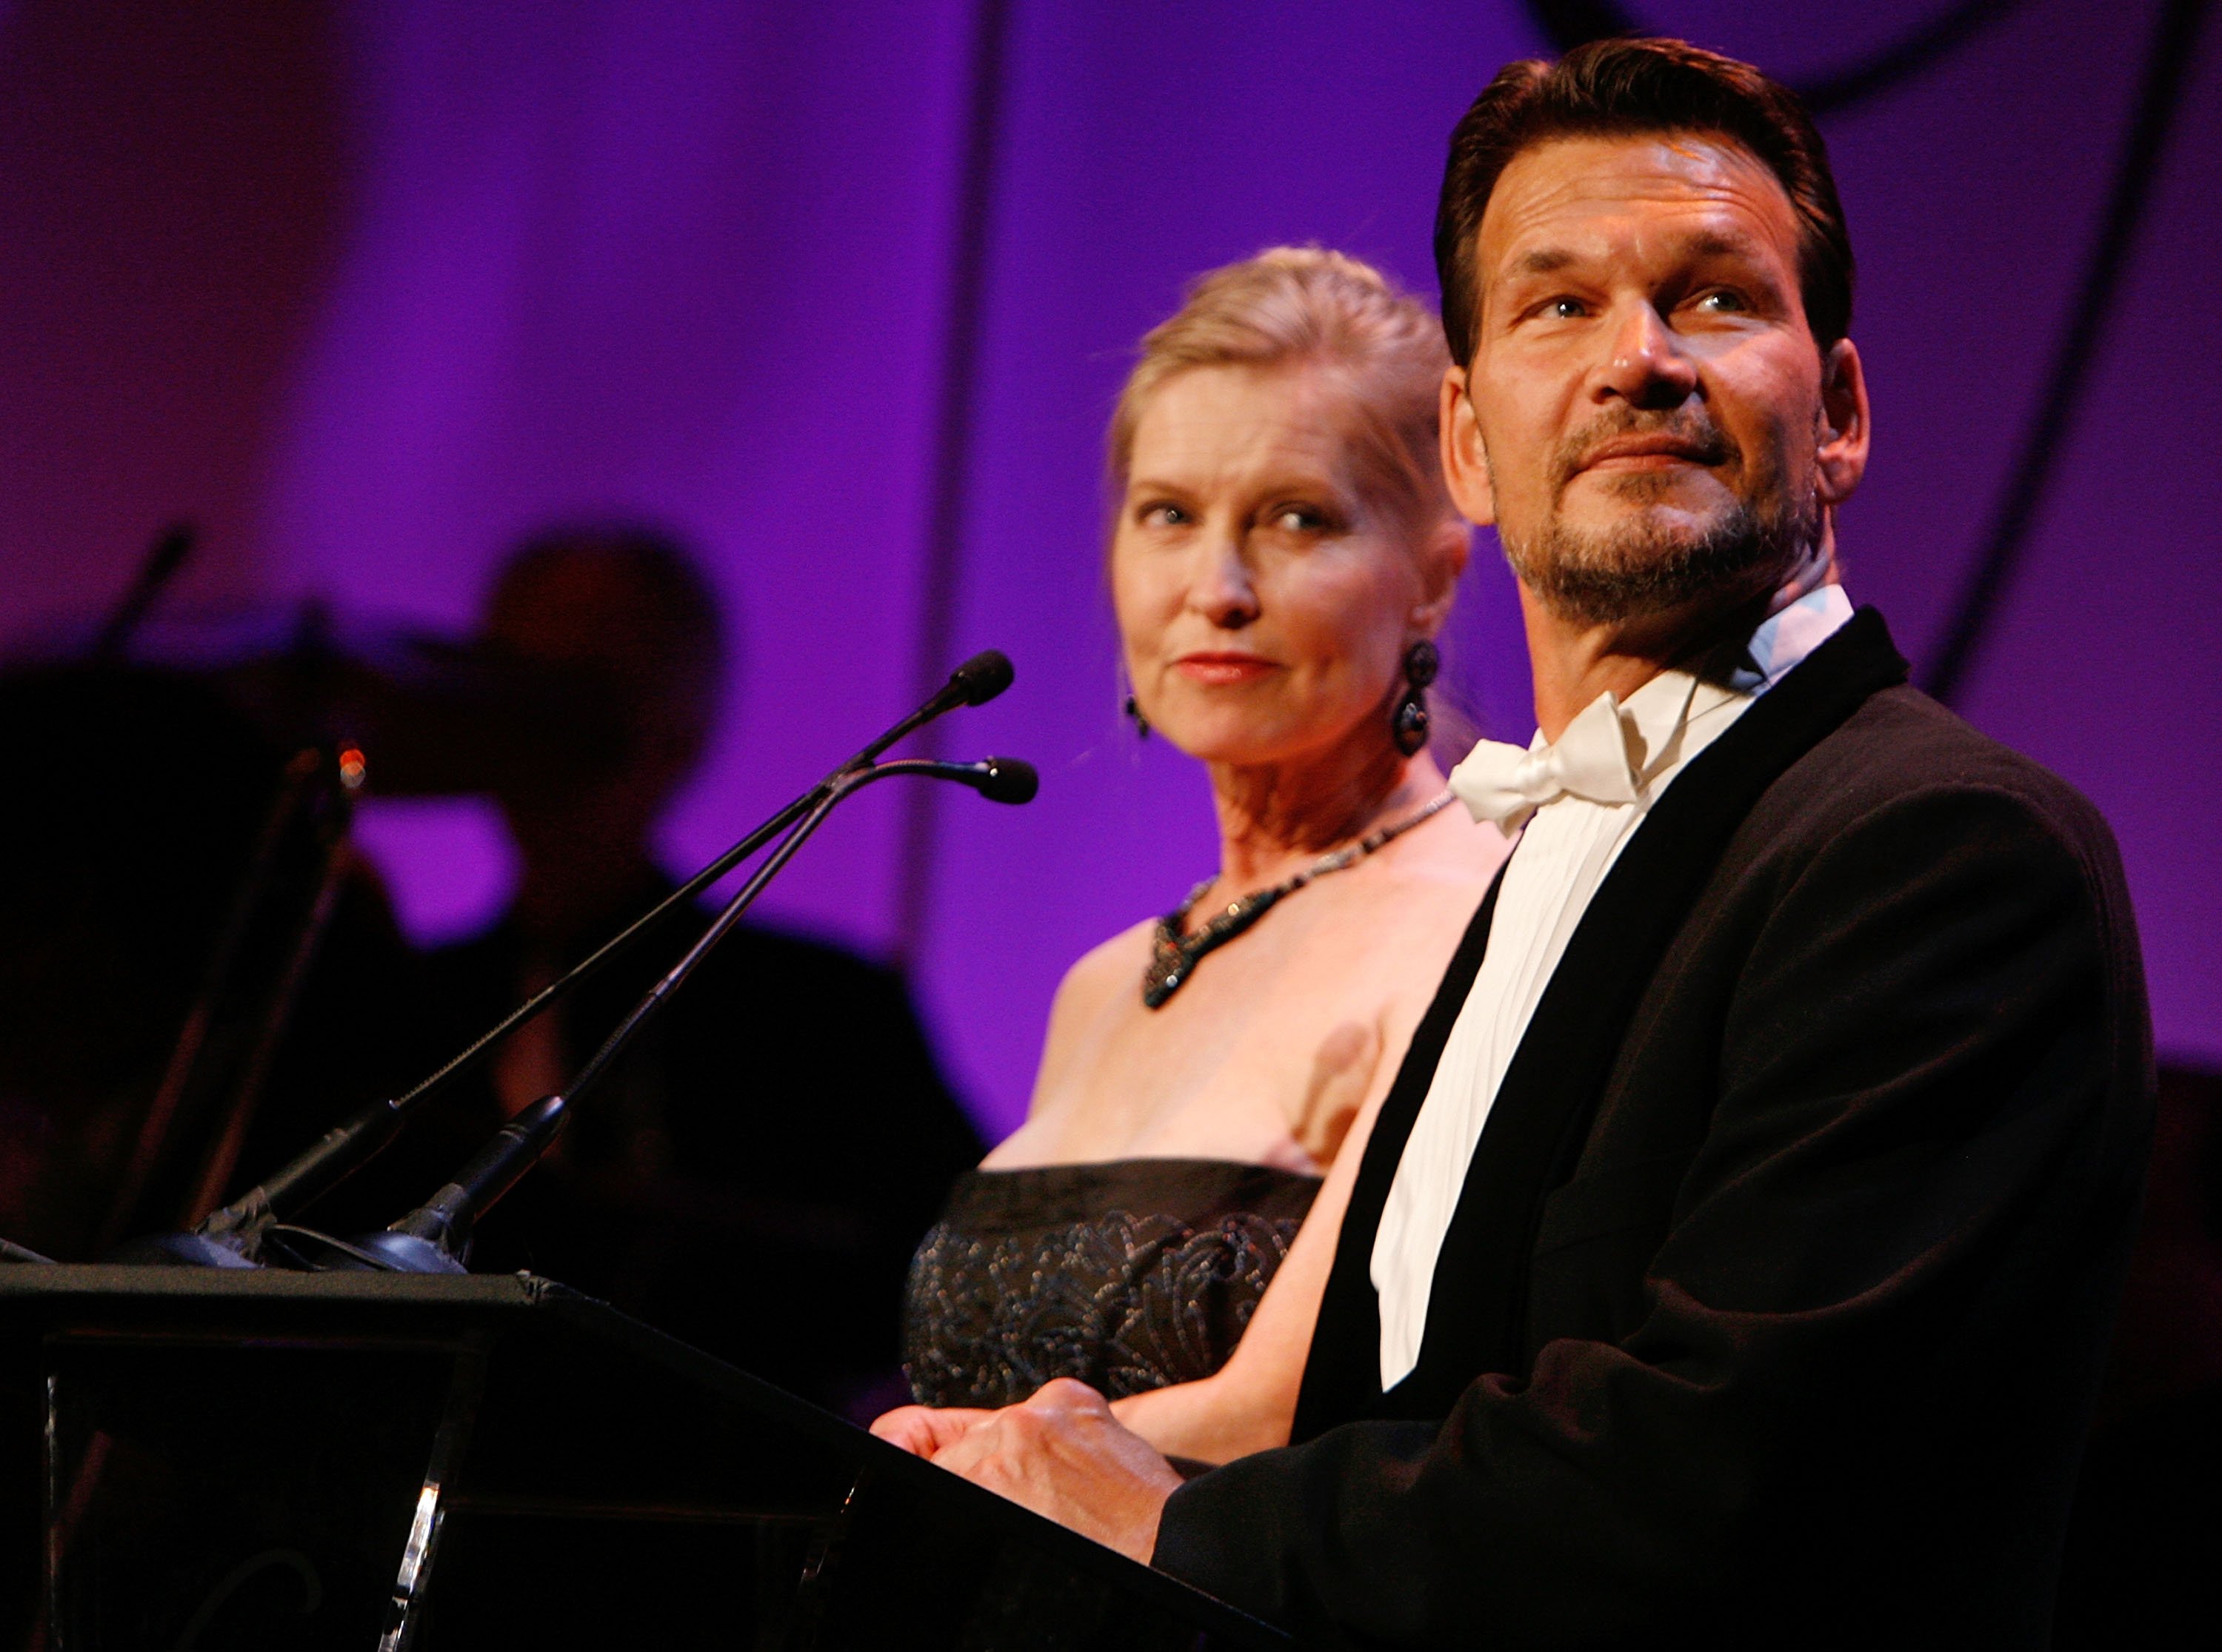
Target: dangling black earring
{"points": [[1408, 722], [1134, 711]]}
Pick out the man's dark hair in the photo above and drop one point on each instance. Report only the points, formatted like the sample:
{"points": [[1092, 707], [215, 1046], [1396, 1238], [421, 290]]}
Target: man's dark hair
{"points": [[1617, 88]]}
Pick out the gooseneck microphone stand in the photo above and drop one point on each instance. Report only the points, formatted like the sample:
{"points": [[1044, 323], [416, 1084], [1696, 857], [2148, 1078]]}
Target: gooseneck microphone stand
{"points": [[435, 1238], [233, 1235], [999, 780]]}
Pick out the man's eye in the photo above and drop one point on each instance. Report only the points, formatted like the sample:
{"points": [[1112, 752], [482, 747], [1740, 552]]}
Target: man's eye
{"points": [[1299, 519], [1720, 302], [1564, 309], [1163, 516]]}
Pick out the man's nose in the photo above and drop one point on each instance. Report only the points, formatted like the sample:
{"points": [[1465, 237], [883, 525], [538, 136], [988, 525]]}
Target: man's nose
{"points": [[1646, 366], [1222, 590]]}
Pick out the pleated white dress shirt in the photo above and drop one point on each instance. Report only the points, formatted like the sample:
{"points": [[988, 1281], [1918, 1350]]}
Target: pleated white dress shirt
{"points": [[1580, 802]]}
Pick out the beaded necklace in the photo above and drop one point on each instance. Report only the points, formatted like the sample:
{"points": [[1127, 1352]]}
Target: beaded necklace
{"points": [[1174, 954]]}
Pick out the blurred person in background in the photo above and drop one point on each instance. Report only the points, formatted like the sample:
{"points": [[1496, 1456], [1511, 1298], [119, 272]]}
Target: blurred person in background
{"points": [[756, 1170]]}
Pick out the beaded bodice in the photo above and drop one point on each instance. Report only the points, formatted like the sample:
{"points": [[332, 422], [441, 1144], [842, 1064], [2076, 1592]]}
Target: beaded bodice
{"points": [[1129, 1276]]}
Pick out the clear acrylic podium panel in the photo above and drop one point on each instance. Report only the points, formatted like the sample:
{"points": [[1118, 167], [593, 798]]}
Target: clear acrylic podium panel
{"points": [[201, 1462]]}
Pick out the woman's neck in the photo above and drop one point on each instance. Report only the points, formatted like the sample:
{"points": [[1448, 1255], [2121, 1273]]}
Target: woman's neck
{"points": [[1276, 818]]}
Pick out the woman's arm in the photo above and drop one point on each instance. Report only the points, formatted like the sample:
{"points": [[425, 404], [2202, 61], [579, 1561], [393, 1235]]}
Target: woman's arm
{"points": [[1249, 1404]]}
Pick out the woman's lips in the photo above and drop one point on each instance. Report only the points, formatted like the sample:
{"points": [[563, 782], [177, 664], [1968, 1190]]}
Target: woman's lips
{"points": [[1223, 668]]}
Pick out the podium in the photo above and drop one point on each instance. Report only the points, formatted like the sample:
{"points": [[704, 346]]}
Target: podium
{"points": [[196, 1461]]}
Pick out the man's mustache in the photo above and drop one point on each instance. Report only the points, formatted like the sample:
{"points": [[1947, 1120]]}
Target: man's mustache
{"points": [[1702, 441]]}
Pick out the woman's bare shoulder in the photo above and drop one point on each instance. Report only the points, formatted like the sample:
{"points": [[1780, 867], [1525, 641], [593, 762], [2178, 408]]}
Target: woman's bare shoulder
{"points": [[1087, 989], [1096, 971], [1426, 903], [1451, 856], [1456, 838]]}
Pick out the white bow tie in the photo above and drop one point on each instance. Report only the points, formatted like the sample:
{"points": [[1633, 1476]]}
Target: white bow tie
{"points": [[1505, 783]]}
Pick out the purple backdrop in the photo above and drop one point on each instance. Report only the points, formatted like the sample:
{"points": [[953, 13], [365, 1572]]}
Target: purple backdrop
{"points": [[370, 289]]}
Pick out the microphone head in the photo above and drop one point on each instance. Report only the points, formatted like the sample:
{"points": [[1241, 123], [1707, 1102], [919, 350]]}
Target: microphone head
{"points": [[1006, 779], [983, 677]]}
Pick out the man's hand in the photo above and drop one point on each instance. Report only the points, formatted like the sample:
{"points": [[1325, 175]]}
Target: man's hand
{"points": [[1063, 1455], [923, 1430]]}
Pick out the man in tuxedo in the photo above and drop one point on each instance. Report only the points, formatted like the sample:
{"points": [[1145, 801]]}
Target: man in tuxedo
{"points": [[1732, 1259]]}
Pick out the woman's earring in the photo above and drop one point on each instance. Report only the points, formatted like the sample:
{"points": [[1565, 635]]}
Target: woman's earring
{"points": [[1134, 711], [1408, 722]]}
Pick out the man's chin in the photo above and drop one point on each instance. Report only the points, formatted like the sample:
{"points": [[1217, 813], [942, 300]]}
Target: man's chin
{"points": [[1659, 561], [1632, 524]]}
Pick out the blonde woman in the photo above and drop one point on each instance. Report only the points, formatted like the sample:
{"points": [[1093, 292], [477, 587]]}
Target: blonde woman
{"points": [[1282, 556]]}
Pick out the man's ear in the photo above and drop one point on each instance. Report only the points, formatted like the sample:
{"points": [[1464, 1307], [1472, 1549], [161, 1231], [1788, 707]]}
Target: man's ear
{"points": [[1466, 466], [1442, 560], [1842, 457]]}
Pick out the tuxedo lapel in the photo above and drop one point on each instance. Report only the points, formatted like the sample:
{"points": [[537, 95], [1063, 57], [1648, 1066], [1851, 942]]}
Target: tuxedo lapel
{"points": [[1549, 1092], [1343, 1371]]}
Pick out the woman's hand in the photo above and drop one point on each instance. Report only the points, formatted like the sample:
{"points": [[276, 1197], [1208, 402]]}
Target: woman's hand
{"points": [[1063, 1454], [922, 1430]]}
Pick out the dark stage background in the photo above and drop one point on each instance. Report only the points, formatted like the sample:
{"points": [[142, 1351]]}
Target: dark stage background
{"points": [[843, 292]]}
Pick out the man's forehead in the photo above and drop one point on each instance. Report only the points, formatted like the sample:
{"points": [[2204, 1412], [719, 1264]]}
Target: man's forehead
{"points": [[1559, 201]]}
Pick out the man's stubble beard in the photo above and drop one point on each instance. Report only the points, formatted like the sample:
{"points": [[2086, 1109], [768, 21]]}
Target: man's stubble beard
{"points": [[1644, 565]]}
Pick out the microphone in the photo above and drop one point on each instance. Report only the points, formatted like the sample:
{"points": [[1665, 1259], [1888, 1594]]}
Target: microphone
{"points": [[999, 780], [231, 1237], [975, 682], [404, 1247], [435, 1236], [983, 677], [1007, 779]]}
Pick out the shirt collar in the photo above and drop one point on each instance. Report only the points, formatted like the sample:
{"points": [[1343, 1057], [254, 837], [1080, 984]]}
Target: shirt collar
{"points": [[1659, 717], [1787, 635]]}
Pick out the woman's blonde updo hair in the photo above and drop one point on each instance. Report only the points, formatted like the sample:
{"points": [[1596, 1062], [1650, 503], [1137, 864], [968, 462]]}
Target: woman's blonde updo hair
{"points": [[1304, 304]]}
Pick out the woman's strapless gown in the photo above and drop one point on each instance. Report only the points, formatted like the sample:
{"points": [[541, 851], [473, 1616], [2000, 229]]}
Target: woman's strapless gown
{"points": [[1130, 1275]]}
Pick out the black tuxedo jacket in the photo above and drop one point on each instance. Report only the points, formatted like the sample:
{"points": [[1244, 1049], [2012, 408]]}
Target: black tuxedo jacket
{"points": [[1773, 1308]]}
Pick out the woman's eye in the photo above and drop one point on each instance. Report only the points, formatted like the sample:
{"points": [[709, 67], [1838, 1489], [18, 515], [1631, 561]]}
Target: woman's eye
{"points": [[1299, 519], [1163, 516]]}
